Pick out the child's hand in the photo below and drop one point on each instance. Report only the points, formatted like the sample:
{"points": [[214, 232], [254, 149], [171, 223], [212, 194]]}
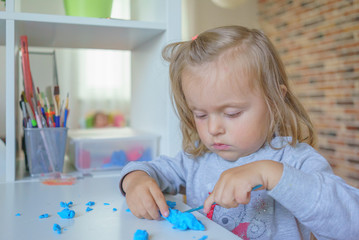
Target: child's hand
{"points": [[143, 196], [235, 185]]}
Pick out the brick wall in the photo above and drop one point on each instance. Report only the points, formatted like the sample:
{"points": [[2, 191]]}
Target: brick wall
{"points": [[319, 44]]}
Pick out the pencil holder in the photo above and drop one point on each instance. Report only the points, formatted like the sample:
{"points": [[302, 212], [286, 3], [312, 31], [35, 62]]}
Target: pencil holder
{"points": [[45, 149]]}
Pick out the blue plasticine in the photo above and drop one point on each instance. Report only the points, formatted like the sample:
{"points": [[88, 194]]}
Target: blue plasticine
{"points": [[114, 209], [204, 237], [57, 228], [66, 205], [18, 214], [88, 209], [171, 204], [184, 221], [67, 213], [44, 216], [181, 220], [140, 235], [90, 203], [106, 204]]}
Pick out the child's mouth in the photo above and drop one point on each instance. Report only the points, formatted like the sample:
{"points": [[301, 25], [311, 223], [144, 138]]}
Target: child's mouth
{"points": [[220, 146]]}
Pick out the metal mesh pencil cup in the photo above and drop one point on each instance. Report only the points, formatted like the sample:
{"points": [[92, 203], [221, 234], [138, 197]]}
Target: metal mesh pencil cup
{"points": [[45, 149]]}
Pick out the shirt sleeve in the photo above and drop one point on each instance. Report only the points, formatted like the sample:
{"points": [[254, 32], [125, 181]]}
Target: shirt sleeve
{"points": [[169, 173], [320, 200]]}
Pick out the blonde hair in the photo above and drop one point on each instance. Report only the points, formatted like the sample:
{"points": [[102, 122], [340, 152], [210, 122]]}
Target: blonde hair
{"points": [[287, 115]]}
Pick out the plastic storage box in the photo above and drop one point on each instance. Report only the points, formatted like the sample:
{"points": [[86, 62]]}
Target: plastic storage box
{"points": [[110, 148]]}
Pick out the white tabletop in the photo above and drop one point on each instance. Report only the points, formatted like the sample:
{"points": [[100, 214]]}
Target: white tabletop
{"points": [[32, 199]]}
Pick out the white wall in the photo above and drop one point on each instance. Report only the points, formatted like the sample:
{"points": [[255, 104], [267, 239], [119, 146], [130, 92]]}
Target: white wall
{"points": [[200, 15], [2, 91]]}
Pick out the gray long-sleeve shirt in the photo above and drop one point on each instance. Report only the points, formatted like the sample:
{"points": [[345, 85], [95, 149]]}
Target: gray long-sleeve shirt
{"points": [[308, 197]]}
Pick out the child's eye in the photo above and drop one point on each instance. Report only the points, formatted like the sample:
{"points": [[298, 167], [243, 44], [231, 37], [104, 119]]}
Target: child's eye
{"points": [[200, 116], [232, 115]]}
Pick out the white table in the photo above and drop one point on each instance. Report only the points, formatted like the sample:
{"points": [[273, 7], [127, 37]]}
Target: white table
{"points": [[32, 199]]}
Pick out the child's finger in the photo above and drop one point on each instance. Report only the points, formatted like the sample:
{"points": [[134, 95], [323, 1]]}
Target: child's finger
{"points": [[162, 205], [208, 203], [150, 209], [160, 200]]}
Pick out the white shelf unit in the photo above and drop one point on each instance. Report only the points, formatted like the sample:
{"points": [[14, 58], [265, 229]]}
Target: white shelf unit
{"points": [[157, 23]]}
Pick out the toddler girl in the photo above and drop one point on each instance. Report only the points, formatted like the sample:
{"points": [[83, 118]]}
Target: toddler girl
{"points": [[242, 127]]}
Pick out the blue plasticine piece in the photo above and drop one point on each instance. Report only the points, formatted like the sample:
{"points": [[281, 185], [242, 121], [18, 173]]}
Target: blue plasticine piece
{"points": [[106, 203], [140, 235], [18, 214], [57, 228], [128, 210], [114, 209], [90, 203], [66, 205], [204, 237], [88, 209], [171, 204], [44, 216], [184, 221], [67, 213]]}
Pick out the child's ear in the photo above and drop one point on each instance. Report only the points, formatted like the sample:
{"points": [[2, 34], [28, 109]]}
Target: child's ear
{"points": [[284, 90]]}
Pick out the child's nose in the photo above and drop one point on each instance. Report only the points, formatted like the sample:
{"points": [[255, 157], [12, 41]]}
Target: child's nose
{"points": [[215, 126]]}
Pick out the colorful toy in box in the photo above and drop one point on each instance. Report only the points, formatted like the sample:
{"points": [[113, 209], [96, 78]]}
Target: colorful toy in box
{"points": [[121, 158], [84, 159], [134, 153], [118, 158], [100, 119]]}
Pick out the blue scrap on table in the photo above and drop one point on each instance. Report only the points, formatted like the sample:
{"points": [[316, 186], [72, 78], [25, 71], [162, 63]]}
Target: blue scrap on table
{"points": [[90, 203], [88, 209], [66, 205], [106, 203], [67, 213], [204, 237], [57, 228], [114, 209], [184, 221], [45, 215], [140, 235], [18, 214]]}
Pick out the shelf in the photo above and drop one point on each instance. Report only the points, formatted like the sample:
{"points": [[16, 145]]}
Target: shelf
{"points": [[58, 31], [154, 24]]}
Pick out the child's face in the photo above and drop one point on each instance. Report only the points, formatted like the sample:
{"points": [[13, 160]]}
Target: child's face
{"points": [[231, 117]]}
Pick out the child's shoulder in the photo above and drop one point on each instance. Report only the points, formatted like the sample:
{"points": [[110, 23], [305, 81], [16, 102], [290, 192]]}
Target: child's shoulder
{"points": [[300, 155], [285, 143]]}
